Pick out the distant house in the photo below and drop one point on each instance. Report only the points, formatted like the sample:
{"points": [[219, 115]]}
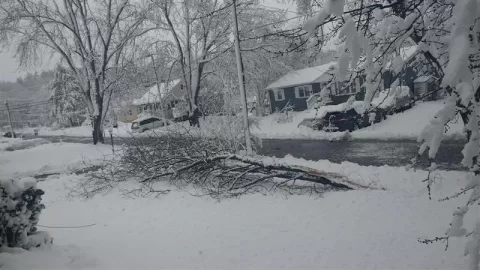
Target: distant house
{"points": [[296, 87], [171, 95]]}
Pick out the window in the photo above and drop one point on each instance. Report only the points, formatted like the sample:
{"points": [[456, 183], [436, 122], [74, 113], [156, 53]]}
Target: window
{"points": [[357, 85], [149, 120], [303, 91], [333, 88], [279, 94]]}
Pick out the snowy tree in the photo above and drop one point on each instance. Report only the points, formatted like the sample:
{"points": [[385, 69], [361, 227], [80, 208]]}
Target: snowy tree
{"points": [[92, 38], [200, 34], [68, 106], [446, 32], [261, 44]]}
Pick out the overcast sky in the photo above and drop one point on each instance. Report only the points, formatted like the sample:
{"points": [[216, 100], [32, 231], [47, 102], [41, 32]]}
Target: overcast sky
{"points": [[9, 69]]}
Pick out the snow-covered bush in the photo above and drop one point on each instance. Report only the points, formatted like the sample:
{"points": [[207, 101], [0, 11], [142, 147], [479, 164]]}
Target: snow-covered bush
{"points": [[284, 115], [20, 208]]}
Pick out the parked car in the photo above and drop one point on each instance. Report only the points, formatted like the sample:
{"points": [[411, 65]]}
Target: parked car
{"points": [[148, 123], [8, 134], [341, 121]]}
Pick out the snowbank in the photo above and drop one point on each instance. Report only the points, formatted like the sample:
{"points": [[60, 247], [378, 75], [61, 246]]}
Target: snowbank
{"points": [[406, 125], [123, 130], [9, 144], [48, 158], [409, 124], [369, 229]]}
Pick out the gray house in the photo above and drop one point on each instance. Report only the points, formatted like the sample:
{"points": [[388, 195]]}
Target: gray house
{"points": [[298, 86]]}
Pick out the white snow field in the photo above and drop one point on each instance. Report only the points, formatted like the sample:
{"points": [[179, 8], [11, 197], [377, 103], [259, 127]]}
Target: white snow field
{"points": [[367, 229]]}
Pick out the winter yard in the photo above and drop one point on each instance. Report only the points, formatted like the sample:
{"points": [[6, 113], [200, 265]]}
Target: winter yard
{"points": [[364, 229], [406, 125]]}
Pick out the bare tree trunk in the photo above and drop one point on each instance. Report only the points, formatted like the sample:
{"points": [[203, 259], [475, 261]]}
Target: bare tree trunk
{"points": [[97, 132], [97, 121]]}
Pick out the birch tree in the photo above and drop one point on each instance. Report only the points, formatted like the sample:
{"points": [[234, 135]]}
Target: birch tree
{"points": [[92, 38]]}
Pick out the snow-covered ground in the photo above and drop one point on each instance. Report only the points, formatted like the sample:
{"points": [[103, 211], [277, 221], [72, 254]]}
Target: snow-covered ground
{"points": [[406, 125], [43, 157], [368, 229]]}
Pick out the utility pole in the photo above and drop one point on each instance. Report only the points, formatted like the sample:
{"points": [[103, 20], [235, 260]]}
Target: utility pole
{"points": [[160, 99], [243, 96], [9, 118]]}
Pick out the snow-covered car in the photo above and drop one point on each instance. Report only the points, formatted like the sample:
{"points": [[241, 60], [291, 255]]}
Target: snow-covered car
{"points": [[342, 121], [148, 123]]}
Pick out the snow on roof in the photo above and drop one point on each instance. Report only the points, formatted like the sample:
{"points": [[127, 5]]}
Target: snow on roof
{"points": [[152, 95], [302, 76], [408, 52], [422, 79]]}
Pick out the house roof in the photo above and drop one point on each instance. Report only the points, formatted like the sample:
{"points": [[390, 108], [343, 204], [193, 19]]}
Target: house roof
{"points": [[406, 53], [302, 76], [422, 79], [153, 96]]}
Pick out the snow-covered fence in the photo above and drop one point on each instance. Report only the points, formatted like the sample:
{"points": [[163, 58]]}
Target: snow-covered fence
{"points": [[20, 208]]}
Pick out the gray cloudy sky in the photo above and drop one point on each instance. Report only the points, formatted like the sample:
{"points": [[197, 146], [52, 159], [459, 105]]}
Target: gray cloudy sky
{"points": [[9, 69]]}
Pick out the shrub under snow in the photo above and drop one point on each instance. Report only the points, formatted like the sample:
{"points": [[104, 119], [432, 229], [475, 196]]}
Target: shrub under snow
{"points": [[20, 208]]}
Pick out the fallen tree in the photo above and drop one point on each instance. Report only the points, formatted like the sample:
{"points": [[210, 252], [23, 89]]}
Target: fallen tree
{"points": [[207, 165]]}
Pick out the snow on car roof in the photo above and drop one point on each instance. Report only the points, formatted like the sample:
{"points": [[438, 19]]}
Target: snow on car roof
{"points": [[323, 110]]}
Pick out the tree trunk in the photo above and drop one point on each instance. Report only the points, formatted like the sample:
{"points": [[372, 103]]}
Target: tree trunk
{"points": [[97, 132], [195, 118]]}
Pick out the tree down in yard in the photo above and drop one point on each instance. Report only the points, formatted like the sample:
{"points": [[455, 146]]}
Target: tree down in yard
{"points": [[372, 35], [92, 39], [209, 166]]}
